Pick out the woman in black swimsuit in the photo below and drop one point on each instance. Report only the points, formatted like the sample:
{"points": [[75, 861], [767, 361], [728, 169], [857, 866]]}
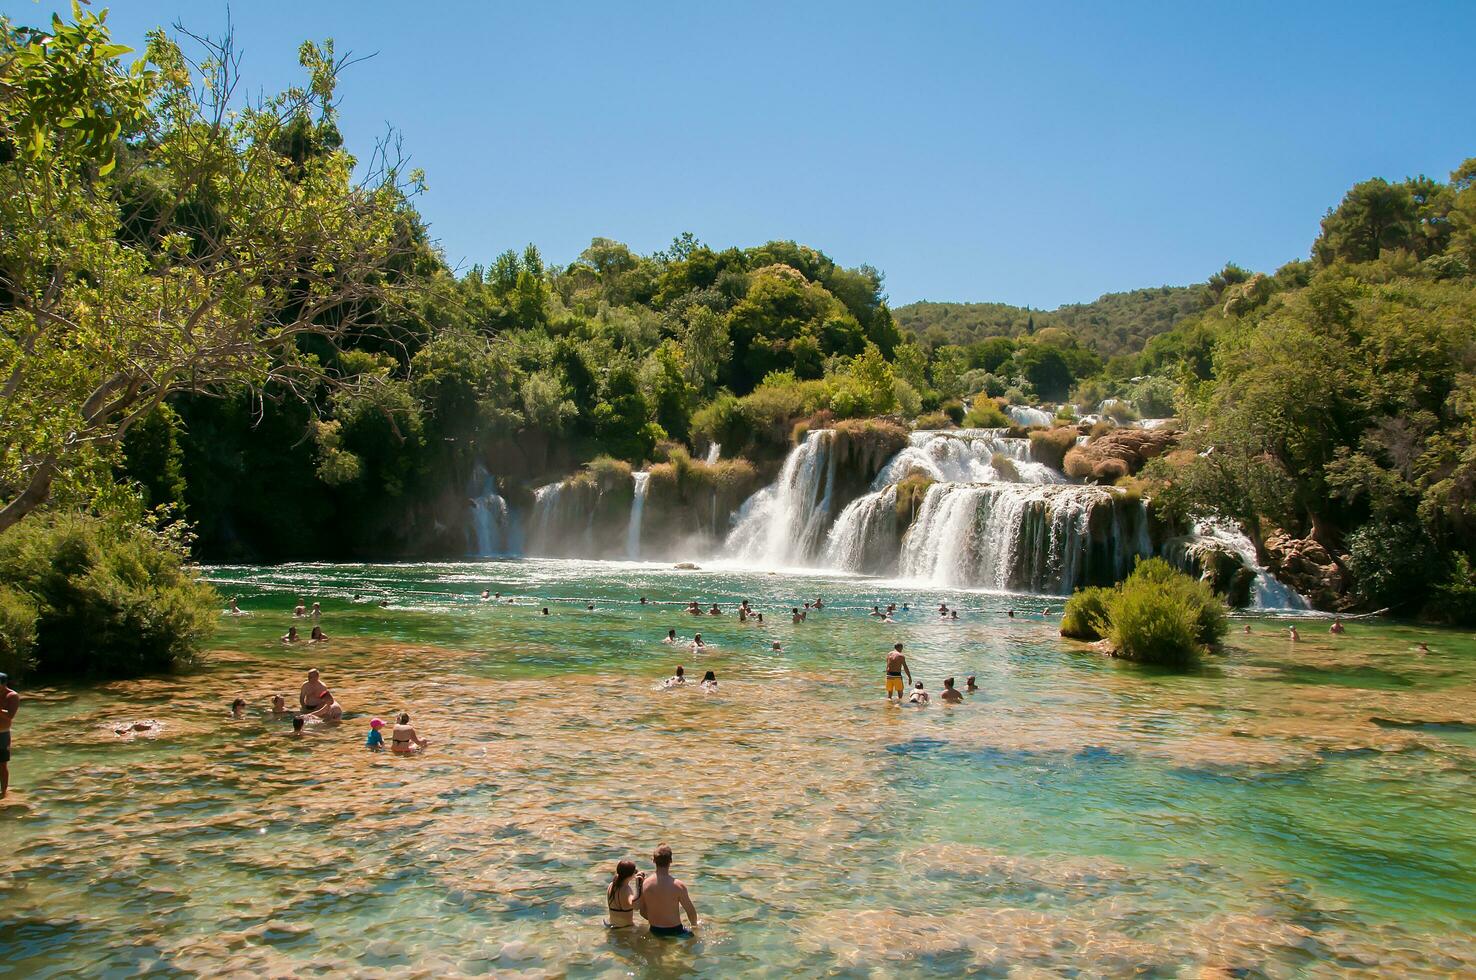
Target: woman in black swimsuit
{"points": [[623, 895]]}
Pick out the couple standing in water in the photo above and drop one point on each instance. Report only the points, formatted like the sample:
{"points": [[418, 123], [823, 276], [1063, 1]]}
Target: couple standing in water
{"points": [[660, 898]]}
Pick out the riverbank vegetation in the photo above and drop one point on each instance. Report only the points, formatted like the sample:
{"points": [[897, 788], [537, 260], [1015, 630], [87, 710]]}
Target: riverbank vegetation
{"points": [[218, 309], [1157, 615]]}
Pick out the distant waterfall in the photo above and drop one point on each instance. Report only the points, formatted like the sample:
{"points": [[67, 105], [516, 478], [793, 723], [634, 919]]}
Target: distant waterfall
{"points": [[489, 527], [562, 522], [967, 456], [1267, 592], [1030, 538], [1024, 415], [782, 524], [714, 450], [637, 511]]}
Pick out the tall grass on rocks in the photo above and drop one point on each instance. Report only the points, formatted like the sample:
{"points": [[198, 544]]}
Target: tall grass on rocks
{"points": [[1158, 615]]}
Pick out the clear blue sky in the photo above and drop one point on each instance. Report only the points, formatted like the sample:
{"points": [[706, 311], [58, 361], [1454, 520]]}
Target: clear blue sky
{"points": [[1030, 153]]}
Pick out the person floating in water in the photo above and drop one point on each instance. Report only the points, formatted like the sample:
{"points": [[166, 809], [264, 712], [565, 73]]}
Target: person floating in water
{"points": [[623, 896], [404, 738], [776, 647], [876, 612], [953, 616], [795, 616], [589, 607], [9, 706], [697, 645], [486, 595], [671, 637], [318, 636], [819, 604], [919, 695], [714, 611], [969, 684], [896, 664], [1247, 629], [290, 636], [677, 679], [545, 610], [297, 724], [693, 608], [943, 609], [1011, 614], [374, 741], [664, 898], [1337, 628], [709, 682], [643, 600], [238, 708], [279, 705], [234, 609], [317, 612], [1292, 632], [949, 695], [300, 610]]}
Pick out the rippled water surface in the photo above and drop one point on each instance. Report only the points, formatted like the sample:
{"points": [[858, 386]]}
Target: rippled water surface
{"points": [[1288, 810]]}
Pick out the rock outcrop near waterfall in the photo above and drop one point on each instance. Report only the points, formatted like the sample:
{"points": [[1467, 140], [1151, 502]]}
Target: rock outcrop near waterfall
{"points": [[1117, 453]]}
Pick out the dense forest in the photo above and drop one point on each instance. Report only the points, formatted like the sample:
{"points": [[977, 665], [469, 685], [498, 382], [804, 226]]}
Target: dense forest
{"points": [[218, 325]]}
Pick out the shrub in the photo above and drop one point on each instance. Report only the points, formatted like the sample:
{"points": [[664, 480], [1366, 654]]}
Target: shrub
{"points": [[1456, 596], [933, 420], [608, 472], [1050, 446], [911, 490], [1119, 411], [111, 599], [1210, 622], [1086, 613], [1004, 467], [17, 633], [1152, 626], [954, 409], [986, 414]]}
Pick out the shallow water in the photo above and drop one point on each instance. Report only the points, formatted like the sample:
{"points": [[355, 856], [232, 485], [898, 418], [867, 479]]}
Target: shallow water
{"points": [[1288, 810]]}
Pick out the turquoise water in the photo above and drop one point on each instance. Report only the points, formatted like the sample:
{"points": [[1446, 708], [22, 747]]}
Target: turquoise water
{"points": [[1288, 809]]}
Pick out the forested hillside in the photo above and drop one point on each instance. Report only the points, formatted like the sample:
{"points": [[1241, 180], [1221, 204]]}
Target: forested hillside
{"points": [[1117, 323]]}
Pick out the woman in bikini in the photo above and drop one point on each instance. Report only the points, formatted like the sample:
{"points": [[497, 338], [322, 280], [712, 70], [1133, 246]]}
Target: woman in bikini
{"points": [[623, 895], [404, 738]]}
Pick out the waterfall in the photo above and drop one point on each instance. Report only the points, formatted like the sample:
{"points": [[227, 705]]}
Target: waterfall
{"points": [[782, 524], [545, 526], [967, 456], [1267, 591], [637, 509], [1024, 415], [864, 538], [1023, 537], [713, 451], [489, 525]]}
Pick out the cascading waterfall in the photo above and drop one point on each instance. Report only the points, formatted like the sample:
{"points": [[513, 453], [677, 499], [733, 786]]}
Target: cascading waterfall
{"points": [[1024, 415], [864, 537], [637, 511], [1033, 538], [967, 456], [713, 452], [782, 524], [489, 525], [1267, 592]]}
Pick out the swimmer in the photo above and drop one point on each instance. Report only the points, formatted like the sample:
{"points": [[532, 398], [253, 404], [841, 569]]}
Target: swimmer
{"points": [[1046, 611], [623, 896], [953, 616], [374, 741], [760, 617], [664, 898], [279, 705], [310, 695], [888, 619], [1337, 628], [590, 607], [329, 710], [317, 612], [709, 682], [235, 609], [497, 595], [486, 595], [300, 610], [404, 738], [776, 647], [671, 637], [318, 636], [714, 611], [1011, 614], [942, 609], [896, 664], [643, 600], [290, 636], [969, 685], [1295, 636], [949, 695], [1247, 629], [697, 645], [693, 608], [9, 705], [807, 604], [876, 612], [297, 726], [742, 614], [906, 607], [819, 605], [238, 708], [545, 610], [383, 603], [919, 695], [677, 679], [1422, 649], [795, 615]]}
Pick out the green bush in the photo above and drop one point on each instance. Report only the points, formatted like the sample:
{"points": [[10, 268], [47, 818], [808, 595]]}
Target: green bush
{"points": [[1086, 613], [1158, 615], [111, 599], [17, 633], [1152, 626], [933, 420], [986, 414], [1050, 446]]}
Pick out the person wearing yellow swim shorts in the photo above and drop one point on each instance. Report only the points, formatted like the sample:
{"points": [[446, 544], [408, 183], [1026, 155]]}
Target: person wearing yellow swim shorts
{"points": [[896, 665]]}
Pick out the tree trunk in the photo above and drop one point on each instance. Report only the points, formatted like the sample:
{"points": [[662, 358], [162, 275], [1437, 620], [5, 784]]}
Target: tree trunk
{"points": [[33, 496]]}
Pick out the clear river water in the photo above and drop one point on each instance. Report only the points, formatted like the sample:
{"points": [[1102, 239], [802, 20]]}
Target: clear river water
{"points": [[1288, 810]]}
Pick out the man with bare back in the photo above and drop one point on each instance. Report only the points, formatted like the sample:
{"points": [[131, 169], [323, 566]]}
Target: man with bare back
{"points": [[9, 705], [664, 898], [896, 664]]}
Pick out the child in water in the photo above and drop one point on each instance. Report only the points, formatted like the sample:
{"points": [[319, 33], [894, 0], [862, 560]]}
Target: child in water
{"points": [[375, 741]]}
